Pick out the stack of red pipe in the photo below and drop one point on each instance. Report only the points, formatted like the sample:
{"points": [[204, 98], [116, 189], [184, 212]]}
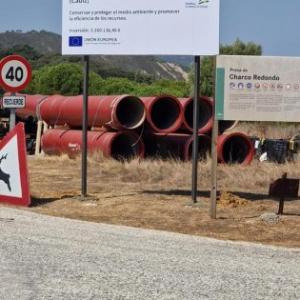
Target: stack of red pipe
{"points": [[126, 126]]}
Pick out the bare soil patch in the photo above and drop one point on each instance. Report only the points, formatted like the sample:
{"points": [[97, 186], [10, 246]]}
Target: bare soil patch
{"points": [[156, 195]]}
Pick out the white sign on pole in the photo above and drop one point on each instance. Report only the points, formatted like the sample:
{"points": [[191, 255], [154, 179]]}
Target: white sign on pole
{"points": [[13, 101], [140, 27], [256, 88]]}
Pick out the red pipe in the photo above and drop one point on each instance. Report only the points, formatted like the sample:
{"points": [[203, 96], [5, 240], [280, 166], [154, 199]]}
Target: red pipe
{"points": [[164, 113], [205, 116], [51, 141], [119, 145], [121, 112], [32, 102], [235, 148], [204, 147], [226, 125], [49, 110], [176, 145], [117, 112]]}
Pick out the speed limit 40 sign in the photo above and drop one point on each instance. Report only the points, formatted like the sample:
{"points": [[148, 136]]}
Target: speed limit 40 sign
{"points": [[15, 73]]}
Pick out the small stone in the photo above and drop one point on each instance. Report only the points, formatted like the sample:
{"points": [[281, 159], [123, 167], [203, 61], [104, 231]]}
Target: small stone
{"points": [[89, 204], [270, 218]]}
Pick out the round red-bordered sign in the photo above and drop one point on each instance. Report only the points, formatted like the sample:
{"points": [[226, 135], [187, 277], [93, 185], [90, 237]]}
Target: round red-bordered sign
{"points": [[15, 73]]}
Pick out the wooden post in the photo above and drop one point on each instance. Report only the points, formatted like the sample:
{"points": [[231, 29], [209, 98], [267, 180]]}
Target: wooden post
{"points": [[38, 138], [45, 127], [282, 198]]}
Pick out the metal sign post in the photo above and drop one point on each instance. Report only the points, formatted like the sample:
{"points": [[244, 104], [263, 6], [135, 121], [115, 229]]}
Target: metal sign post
{"points": [[214, 154], [214, 166], [86, 70], [12, 116], [195, 130]]}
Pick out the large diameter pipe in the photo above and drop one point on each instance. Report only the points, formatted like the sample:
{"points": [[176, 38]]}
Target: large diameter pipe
{"points": [[164, 113], [121, 112], [30, 109], [204, 147], [235, 148], [50, 110], [176, 145], [118, 112], [51, 141], [205, 114], [118, 145], [226, 125]]}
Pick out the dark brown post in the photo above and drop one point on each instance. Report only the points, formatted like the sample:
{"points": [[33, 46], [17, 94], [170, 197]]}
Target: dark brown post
{"points": [[282, 198]]}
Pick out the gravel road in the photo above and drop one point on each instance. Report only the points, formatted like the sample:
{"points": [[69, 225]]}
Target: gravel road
{"points": [[43, 257]]}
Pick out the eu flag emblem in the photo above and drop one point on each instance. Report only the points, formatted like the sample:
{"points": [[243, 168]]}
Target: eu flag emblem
{"points": [[75, 41]]}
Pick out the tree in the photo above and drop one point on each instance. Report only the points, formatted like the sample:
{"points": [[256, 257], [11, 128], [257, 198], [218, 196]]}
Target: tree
{"points": [[65, 79], [117, 86], [241, 48], [165, 87], [207, 63], [24, 50]]}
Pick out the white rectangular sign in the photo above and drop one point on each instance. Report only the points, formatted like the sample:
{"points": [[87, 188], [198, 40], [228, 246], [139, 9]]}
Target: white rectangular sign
{"points": [[13, 101], [140, 27], [255, 88]]}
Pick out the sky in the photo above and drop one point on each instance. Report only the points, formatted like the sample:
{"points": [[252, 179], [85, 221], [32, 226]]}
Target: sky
{"points": [[274, 24]]}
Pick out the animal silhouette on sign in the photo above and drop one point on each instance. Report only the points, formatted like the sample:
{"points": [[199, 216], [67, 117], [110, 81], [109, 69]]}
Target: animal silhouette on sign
{"points": [[3, 176]]}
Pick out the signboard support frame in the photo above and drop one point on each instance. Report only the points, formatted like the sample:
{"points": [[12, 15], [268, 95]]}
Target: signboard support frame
{"points": [[86, 70], [195, 130], [12, 116], [214, 153], [214, 171]]}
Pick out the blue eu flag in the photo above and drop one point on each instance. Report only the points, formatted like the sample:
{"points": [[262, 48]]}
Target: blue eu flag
{"points": [[75, 41]]}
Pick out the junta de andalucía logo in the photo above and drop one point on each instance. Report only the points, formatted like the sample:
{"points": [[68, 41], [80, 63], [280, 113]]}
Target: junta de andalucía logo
{"points": [[203, 2]]}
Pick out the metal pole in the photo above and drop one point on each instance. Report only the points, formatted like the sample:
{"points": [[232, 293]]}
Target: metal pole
{"points": [[12, 116], [195, 130], [214, 166], [85, 126], [214, 154]]}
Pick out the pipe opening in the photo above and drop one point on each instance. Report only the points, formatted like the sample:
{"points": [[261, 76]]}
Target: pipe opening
{"points": [[226, 125], [236, 150], [204, 146], [205, 114], [125, 147], [130, 112], [165, 112]]}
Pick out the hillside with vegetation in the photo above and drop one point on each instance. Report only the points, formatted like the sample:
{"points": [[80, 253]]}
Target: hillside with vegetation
{"points": [[48, 45], [138, 75]]}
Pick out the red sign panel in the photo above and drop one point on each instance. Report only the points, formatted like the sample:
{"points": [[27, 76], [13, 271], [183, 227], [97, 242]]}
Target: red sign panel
{"points": [[14, 185]]}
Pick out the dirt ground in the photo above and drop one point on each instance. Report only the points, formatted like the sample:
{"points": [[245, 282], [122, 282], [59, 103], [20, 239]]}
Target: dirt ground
{"points": [[156, 195]]}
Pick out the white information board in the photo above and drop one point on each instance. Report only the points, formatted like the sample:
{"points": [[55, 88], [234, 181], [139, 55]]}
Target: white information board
{"points": [[256, 88], [140, 27]]}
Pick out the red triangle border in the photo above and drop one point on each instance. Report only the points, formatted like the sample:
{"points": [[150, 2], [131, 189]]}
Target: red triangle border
{"points": [[25, 200]]}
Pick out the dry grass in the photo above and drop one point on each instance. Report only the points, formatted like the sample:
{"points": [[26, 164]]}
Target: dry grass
{"points": [[269, 130], [156, 194]]}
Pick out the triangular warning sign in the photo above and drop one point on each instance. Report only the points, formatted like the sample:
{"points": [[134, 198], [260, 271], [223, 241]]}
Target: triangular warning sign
{"points": [[14, 185]]}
